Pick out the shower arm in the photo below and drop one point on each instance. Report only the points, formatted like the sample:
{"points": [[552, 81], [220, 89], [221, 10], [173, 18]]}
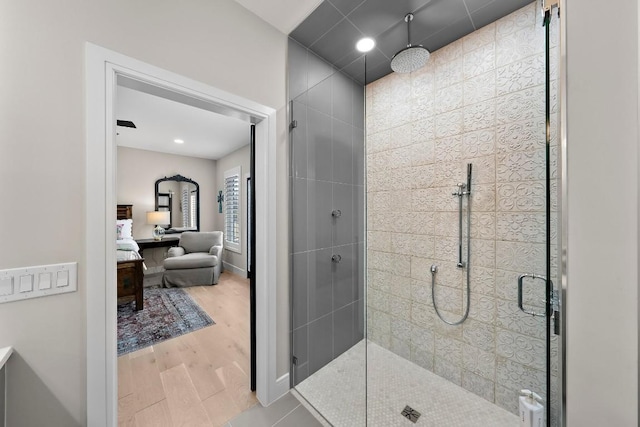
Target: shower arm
{"points": [[408, 18]]}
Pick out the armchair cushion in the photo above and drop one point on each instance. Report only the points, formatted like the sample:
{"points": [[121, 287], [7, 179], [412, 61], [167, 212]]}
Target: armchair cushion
{"points": [[193, 260], [193, 241], [175, 251]]}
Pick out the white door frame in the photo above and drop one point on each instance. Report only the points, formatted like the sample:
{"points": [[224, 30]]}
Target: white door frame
{"points": [[102, 68]]}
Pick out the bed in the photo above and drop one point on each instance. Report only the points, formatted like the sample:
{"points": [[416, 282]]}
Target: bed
{"points": [[130, 263]]}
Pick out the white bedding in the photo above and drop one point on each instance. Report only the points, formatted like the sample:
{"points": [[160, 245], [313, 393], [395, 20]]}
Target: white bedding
{"points": [[127, 249]]}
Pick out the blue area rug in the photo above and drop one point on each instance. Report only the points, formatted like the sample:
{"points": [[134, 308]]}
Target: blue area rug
{"points": [[167, 313]]}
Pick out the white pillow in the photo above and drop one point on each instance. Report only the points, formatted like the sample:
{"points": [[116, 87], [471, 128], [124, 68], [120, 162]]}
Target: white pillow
{"points": [[123, 229]]}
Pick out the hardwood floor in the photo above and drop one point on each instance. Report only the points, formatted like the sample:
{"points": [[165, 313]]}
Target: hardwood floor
{"points": [[197, 379]]}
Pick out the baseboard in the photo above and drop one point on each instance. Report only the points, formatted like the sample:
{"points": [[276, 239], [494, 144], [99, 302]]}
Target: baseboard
{"points": [[233, 269], [282, 386]]}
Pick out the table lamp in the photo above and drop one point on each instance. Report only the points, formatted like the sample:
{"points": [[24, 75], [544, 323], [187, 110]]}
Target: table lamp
{"points": [[157, 218]]}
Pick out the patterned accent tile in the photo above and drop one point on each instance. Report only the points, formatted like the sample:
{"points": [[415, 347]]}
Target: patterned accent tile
{"points": [[510, 317], [423, 153], [481, 115], [521, 227], [520, 166], [401, 135], [521, 44], [521, 18], [483, 36], [479, 335], [448, 149], [480, 60], [449, 349], [423, 130], [482, 308], [448, 370], [483, 225], [515, 376], [520, 75], [523, 349], [526, 104], [449, 124], [423, 199], [479, 143], [484, 195], [525, 135], [448, 98], [528, 196], [484, 170], [449, 53], [421, 316], [478, 385], [482, 279], [524, 257], [479, 361]]}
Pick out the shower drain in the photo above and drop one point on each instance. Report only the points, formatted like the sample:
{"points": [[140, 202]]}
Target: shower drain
{"points": [[411, 414]]}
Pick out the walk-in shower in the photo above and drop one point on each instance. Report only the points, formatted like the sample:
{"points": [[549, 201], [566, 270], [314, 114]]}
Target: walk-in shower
{"points": [[424, 214]]}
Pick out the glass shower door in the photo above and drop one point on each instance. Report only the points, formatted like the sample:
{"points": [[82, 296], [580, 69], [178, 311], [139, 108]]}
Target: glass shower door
{"points": [[480, 101]]}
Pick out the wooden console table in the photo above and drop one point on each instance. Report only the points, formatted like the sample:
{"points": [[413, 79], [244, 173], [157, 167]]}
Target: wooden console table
{"points": [[167, 241]]}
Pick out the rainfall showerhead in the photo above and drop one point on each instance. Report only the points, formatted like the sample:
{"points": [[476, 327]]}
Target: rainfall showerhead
{"points": [[411, 58]]}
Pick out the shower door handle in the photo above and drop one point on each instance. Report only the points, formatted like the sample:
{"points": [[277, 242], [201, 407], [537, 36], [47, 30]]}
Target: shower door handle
{"points": [[520, 286]]}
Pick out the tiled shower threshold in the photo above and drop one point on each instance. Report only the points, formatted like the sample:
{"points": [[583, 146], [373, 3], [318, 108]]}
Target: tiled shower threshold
{"points": [[337, 391]]}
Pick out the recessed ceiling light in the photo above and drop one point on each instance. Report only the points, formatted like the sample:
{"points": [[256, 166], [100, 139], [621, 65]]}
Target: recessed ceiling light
{"points": [[178, 141], [365, 44]]}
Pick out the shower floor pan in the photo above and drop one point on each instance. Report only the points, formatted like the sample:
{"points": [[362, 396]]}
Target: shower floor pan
{"points": [[337, 391]]}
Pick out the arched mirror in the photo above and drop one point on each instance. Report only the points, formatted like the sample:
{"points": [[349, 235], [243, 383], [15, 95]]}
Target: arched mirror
{"points": [[181, 197]]}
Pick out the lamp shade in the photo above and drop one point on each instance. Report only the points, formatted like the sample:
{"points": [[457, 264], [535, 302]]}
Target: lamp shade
{"points": [[158, 217]]}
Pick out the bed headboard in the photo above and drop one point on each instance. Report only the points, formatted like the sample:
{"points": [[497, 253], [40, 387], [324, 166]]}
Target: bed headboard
{"points": [[124, 212]]}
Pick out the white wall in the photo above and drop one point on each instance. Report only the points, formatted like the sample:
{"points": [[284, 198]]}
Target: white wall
{"points": [[42, 115], [138, 171], [602, 258], [242, 158]]}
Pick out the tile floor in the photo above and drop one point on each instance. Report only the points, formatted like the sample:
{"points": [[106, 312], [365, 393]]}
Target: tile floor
{"points": [[337, 391], [285, 412]]}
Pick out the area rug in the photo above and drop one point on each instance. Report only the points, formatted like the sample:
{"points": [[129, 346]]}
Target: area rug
{"points": [[167, 313]]}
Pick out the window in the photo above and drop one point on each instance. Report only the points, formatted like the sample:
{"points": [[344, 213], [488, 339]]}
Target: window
{"points": [[232, 209]]}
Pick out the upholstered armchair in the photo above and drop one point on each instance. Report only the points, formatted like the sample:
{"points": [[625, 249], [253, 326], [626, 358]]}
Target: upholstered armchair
{"points": [[197, 260]]}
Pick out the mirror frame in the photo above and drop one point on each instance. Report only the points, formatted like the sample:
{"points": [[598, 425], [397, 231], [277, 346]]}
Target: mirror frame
{"points": [[180, 178]]}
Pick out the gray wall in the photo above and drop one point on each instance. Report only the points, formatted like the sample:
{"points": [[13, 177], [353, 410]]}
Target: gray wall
{"points": [[327, 153]]}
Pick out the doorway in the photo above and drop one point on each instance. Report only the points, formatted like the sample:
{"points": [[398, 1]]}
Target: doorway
{"points": [[102, 70]]}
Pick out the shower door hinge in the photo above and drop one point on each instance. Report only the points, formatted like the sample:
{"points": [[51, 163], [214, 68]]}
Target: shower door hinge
{"points": [[294, 360], [293, 124], [547, 5]]}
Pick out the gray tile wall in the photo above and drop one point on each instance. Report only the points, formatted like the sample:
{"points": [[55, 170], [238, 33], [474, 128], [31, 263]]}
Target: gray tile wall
{"points": [[478, 100], [326, 174]]}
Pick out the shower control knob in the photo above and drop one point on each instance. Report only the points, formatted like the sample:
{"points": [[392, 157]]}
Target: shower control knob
{"points": [[336, 213], [336, 258]]}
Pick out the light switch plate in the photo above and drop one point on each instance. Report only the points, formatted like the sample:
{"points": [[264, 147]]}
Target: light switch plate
{"points": [[38, 281]]}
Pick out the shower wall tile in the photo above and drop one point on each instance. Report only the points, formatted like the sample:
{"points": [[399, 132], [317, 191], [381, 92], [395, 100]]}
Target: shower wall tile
{"points": [[299, 221], [520, 75], [520, 348], [526, 196], [299, 289], [479, 335], [320, 343], [519, 45], [481, 115], [520, 166], [319, 146], [483, 36], [521, 18], [448, 370], [480, 100], [526, 104], [299, 141], [479, 143], [483, 278], [449, 124], [343, 328], [480, 61], [478, 385], [342, 99], [319, 284], [343, 274], [521, 227], [319, 202], [342, 152], [449, 349], [319, 97], [525, 135], [480, 362], [480, 88], [449, 98]]}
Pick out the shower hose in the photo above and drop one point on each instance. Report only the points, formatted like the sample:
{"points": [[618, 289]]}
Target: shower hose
{"points": [[434, 270]]}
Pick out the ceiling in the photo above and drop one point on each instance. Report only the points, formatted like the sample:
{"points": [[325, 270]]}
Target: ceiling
{"points": [[285, 15], [334, 27], [159, 121]]}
